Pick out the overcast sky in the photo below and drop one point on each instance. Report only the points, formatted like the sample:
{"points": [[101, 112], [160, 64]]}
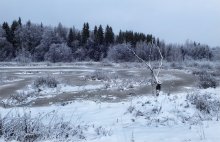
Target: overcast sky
{"points": [[172, 20]]}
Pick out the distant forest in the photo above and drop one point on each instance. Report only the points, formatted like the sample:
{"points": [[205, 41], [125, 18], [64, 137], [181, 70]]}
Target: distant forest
{"points": [[30, 42]]}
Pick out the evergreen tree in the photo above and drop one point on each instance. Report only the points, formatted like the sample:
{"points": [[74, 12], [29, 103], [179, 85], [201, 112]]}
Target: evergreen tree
{"points": [[109, 35], [96, 35], [85, 33], [70, 38], [6, 27], [120, 37], [149, 38], [15, 25], [95, 30], [28, 23], [79, 37], [61, 31], [100, 35], [19, 21]]}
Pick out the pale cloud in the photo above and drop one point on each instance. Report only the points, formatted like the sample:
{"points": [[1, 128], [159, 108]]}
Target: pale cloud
{"points": [[172, 20]]}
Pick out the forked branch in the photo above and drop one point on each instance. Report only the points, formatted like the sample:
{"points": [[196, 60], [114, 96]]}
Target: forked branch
{"points": [[155, 75]]}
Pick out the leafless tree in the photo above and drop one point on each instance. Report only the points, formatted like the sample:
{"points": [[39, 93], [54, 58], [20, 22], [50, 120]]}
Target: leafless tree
{"points": [[154, 73]]}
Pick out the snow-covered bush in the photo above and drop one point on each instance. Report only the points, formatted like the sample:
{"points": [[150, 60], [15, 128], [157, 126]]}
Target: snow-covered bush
{"points": [[24, 127], [101, 75], [20, 97], [48, 81], [59, 53], [206, 80], [176, 65], [199, 72], [204, 102], [23, 56], [121, 53], [100, 131], [21, 128], [98, 75]]}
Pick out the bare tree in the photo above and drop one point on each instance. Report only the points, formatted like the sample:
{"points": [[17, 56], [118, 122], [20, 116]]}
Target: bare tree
{"points": [[154, 73]]}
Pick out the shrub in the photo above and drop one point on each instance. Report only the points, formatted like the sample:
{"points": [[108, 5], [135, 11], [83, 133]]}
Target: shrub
{"points": [[121, 53], [176, 65], [204, 102], [207, 80], [24, 127], [59, 53], [101, 75], [48, 81]]}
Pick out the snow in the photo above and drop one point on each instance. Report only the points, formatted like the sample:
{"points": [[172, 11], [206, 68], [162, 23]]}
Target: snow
{"points": [[126, 126], [138, 119], [31, 93], [62, 88]]}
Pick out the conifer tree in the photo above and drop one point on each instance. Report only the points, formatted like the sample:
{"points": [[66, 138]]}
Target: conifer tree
{"points": [[95, 35], [7, 29], [70, 38], [19, 21], [85, 33], [100, 35], [120, 37], [109, 35], [14, 27]]}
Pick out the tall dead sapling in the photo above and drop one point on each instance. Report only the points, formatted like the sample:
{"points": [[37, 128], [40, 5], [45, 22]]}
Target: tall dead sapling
{"points": [[154, 73]]}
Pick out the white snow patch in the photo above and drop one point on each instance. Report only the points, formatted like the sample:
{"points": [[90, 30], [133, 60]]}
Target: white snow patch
{"points": [[165, 121]]}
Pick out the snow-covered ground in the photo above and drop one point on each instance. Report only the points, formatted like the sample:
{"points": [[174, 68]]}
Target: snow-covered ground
{"points": [[181, 113], [148, 118]]}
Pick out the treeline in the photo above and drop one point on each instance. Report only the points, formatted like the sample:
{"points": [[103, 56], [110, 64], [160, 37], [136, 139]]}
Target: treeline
{"points": [[36, 42]]}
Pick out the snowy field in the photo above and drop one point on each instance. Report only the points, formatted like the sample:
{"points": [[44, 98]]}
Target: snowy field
{"points": [[112, 102]]}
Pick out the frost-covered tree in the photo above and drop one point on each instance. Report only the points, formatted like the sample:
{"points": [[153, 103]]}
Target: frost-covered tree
{"points": [[29, 36], [2, 32], [15, 25], [59, 53], [80, 54], [23, 56], [6, 50], [144, 51], [93, 51], [7, 30], [120, 53], [49, 37], [61, 31]]}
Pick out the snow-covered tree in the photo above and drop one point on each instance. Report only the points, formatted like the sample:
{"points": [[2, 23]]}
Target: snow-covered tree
{"points": [[23, 56], [29, 36], [61, 31], [49, 37], [2, 32], [120, 53], [144, 51], [59, 53], [6, 50]]}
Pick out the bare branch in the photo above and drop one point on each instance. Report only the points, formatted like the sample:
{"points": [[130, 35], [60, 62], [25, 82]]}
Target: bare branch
{"points": [[155, 76], [161, 61]]}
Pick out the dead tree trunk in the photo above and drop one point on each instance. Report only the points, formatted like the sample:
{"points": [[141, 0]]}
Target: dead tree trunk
{"points": [[155, 80]]}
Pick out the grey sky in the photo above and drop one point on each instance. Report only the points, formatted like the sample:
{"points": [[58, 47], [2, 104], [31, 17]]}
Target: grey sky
{"points": [[172, 20]]}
